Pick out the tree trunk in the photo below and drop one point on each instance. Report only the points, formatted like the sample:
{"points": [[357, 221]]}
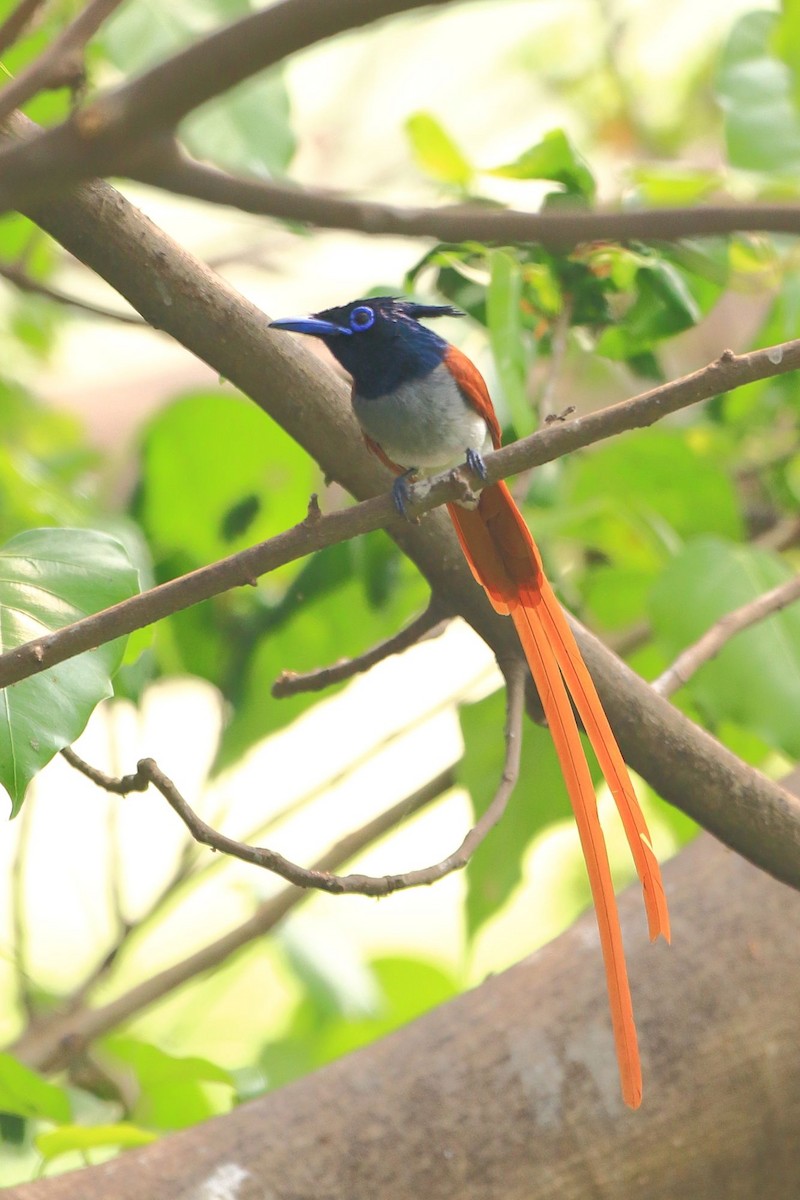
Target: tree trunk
{"points": [[511, 1091]]}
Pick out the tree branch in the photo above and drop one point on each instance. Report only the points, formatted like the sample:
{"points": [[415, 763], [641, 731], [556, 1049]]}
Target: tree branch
{"points": [[51, 1046], [61, 62], [126, 125], [429, 624], [148, 772], [237, 570], [129, 131], [21, 280], [558, 228], [504, 1092], [17, 22], [709, 645]]}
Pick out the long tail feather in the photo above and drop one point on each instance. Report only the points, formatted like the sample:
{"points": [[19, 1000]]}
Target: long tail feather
{"points": [[505, 560], [581, 688]]}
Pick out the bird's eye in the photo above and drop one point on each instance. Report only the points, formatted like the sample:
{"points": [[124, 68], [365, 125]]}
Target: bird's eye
{"points": [[362, 318]]}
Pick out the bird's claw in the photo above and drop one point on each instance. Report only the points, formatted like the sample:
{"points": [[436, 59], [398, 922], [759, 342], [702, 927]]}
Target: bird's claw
{"points": [[401, 492], [475, 463]]}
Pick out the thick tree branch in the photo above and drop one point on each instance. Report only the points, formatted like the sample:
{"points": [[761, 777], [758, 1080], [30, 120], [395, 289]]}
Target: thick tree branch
{"points": [[509, 1090]]}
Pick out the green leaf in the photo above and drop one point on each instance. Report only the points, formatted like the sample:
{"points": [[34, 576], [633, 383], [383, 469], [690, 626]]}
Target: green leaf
{"points": [[405, 989], [25, 1093], [785, 42], [671, 184], [246, 129], [435, 152], [754, 90], [50, 578], [408, 987], [663, 306], [172, 1091], [754, 681], [554, 157], [540, 798], [506, 336], [83, 1138], [217, 475], [635, 499]]}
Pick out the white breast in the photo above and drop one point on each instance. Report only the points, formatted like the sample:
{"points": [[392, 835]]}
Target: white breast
{"points": [[425, 424]]}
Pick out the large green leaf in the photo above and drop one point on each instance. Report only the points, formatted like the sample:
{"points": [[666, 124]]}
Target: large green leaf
{"points": [[755, 680], [246, 129], [755, 91], [507, 337], [50, 578], [635, 498], [172, 1091], [25, 1093], [217, 475], [435, 151]]}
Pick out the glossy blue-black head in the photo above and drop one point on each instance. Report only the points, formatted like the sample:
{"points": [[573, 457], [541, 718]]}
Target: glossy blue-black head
{"points": [[379, 340]]}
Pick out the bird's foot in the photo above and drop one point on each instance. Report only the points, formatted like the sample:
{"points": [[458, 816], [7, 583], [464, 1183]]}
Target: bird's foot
{"points": [[475, 463], [401, 492]]}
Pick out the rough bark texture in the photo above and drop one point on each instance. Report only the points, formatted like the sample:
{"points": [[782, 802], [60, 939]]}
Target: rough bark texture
{"points": [[511, 1091]]}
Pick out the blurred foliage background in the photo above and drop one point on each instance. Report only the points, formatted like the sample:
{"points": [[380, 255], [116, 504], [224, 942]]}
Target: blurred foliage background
{"points": [[106, 428]]}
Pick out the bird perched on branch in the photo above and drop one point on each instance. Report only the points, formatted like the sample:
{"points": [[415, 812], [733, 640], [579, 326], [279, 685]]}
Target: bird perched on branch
{"points": [[424, 408]]}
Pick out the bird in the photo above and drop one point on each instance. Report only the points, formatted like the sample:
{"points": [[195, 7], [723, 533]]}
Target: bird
{"points": [[424, 408]]}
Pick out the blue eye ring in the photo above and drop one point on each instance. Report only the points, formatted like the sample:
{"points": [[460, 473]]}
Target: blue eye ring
{"points": [[362, 318]]}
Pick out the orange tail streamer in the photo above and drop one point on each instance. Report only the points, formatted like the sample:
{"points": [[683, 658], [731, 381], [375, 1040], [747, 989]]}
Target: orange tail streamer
{"points": [[504, 559]]}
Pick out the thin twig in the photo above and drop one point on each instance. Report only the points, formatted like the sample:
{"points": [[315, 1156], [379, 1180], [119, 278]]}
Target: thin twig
{"points": [[20, 279], [61, 63], [429, 624], [51, 1048], [709, 645], [17, 22], [188, 867], [148, 772], [725, 373]]}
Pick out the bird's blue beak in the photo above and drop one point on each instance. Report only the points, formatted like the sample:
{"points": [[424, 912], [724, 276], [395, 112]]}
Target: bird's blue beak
{"points": [[312, 325]]}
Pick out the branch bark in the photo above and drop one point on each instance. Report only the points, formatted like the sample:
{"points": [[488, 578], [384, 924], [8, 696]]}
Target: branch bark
{"points": [[558, 228], [315, 532], [510, 1089]]}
